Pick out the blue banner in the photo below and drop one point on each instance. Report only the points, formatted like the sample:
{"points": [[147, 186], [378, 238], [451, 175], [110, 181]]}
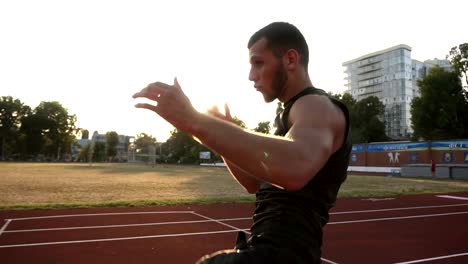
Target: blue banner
{"points": [[450, 145], [358, 148], [399, 147]]}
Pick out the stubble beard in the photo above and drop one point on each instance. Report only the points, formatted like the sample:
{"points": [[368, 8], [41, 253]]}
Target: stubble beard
{"points": [[277, 85]]}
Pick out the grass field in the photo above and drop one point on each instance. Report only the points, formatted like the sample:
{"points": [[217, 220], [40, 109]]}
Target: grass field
{"points": [[56, 185]]}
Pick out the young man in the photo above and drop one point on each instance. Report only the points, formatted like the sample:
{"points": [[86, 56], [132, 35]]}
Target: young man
{"points": [[296, 173]]}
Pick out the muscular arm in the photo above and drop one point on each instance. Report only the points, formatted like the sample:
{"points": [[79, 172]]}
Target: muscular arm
{"points": [[317, 131], [250, 183]]}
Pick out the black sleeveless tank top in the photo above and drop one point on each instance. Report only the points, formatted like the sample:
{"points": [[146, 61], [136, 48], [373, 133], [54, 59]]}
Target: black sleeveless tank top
{"points": [[295, 218]]}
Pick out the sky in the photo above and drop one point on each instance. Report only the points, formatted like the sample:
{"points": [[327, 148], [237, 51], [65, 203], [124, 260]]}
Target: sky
{"points": [[93, 55]]}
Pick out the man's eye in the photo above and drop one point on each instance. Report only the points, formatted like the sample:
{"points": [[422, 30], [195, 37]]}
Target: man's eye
{"points": [[258, 63]]}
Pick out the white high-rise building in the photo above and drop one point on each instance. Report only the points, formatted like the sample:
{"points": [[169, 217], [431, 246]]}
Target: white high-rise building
{"points": [[391, 76]]}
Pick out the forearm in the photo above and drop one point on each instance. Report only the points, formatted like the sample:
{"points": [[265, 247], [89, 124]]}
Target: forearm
{"points": [[250, 183], [259, 155], [317, 130]]}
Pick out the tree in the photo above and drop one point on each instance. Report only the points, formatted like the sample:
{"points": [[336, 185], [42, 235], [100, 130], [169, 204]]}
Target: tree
{"points": [[58, 128], [365, 119], [263, 127], [11, 113], [348, 100], [85, 134], [458, 57], [144, 141], [32, 137], [144, 144], [86, 152], [112, 140], [440, 112], [459, 60], [238, 122], [182, 147], [99, 151]]}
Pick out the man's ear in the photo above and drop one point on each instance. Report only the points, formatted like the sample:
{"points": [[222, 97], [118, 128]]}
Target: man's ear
{"points": [[291, 59]]}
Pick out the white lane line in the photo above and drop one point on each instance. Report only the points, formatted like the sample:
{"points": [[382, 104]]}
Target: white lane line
{"points": [[328, 261], [117, 226], [395, 218], [4, 226], [101, 214], [435, 258], [219, 222], [398, 209], [117, 239], [189, 212], [453, 197], [106, 226]]}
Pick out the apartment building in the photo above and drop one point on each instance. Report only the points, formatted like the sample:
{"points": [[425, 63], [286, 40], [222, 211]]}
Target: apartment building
{"points": [[391, 75]]}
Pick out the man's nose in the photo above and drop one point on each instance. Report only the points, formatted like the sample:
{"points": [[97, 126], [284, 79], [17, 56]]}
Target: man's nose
{"points": [[253, 76]]}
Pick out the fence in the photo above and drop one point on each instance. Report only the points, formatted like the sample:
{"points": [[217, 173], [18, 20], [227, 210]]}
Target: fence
{"points": [[390, 157]]}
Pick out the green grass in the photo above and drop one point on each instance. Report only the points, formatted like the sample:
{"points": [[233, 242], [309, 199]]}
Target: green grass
{"points": [[58, 185], [370, 186]]}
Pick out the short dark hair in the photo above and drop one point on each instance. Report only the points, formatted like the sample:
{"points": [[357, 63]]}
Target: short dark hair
{"points": [[282, 36]]}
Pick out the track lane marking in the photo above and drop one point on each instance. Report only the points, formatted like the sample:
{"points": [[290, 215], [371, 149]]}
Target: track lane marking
{"points": [[5, 226], [434, 258], [219, 222], [190, 212], [100, 214], [398, 209], [118, 239], [453, 197], [328, 261], [128, 225], [210, 219], [225, 219], [395, 218]]}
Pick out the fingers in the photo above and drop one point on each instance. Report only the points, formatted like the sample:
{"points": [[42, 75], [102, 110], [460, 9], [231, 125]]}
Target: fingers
{"points": [[147, 106], [227, 111], [213, 111], [153, 91], [214, 108], [176, 84]]}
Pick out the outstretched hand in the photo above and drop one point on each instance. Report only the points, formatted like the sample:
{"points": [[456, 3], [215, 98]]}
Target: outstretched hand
{"points": [[171, 103]]}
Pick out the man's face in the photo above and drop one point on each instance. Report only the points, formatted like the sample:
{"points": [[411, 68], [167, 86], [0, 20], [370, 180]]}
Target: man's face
{"points": [[266, 71]]}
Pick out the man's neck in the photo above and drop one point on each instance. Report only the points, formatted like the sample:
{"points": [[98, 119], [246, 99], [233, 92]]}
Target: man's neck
{"points": [[295, 86]]}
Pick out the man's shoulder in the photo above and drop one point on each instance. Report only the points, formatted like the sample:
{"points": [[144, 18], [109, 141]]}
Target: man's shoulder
{"points": [[314, 102]]}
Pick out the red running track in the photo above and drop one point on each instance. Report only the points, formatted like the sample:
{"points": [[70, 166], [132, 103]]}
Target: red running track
{"points": [[402, 229]]}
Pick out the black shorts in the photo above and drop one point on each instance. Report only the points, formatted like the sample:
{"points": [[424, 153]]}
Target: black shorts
{"points": [[261, 253]]}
